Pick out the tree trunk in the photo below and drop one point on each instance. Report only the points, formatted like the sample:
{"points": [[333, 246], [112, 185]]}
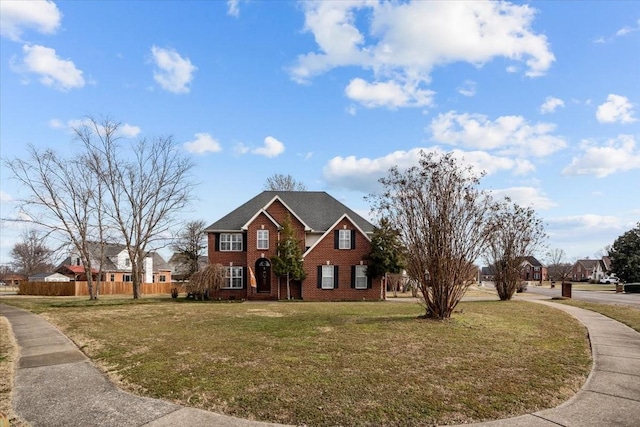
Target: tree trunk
{"points": [[288, 288]]}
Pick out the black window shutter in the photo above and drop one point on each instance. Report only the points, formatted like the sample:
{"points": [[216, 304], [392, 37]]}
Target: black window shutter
{"points": [[336, 239], [244, 242], [353, 239], [244, 277], [217, 244], [319, 276], [335, 277], [369, 282], [353, 276]]}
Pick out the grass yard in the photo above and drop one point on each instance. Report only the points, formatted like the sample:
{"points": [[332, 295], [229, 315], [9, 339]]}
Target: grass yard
{"points": [[328, 364], [624, 314]]}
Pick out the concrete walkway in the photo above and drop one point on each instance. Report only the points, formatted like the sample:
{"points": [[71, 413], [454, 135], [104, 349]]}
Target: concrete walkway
{"points": [[57, 385]]}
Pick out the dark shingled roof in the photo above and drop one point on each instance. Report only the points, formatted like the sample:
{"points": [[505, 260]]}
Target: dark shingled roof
{"points": [[317, 209]]}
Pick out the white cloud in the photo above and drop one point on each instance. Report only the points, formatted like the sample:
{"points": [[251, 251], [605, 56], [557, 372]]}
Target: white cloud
{"points": [[125, 130], [232, 8], [550, 104], [387, 94], [5, 197], [405, 41], [18, 16], [56, 124], [468, 88], [507, 134], [204, 143], [617, 109], [617, 155], [54, 72], [129, 131], [362, 174], [173, 72], [525, 196], [241, 148], [272, 148], [628, 30]]}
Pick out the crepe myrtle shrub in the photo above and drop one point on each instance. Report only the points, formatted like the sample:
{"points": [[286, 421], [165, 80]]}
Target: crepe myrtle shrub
{"points": [[516, 232], [443, 222], [203, 281]]}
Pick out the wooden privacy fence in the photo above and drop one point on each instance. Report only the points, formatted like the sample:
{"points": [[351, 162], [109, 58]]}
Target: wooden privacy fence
{"points": [[80, 288]]}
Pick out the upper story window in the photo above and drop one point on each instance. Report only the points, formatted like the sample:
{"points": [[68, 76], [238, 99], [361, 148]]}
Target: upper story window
{"points": [[233, 277], [231, 242], [344, 239], [127, 262], [263, 239]]}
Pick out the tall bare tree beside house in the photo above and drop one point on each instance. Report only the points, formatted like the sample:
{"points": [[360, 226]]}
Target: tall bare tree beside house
{"points": [[280, 182], [189, 244], [516, 232], [558, 268], [147, 183], [62, 199], [443, 220]]}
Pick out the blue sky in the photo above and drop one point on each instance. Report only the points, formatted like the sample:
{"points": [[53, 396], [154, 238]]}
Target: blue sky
{"points": [[543, 96]]}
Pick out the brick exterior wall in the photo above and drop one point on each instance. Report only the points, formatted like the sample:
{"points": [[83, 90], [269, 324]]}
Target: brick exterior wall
{"points": [[323, 251]]}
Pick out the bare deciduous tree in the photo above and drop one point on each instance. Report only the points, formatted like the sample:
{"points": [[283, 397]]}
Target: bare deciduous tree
{"points": [[558, 268], [516, 232], [280, 182], [62, 198], [31, 255], [147, 182], [188, 245], [443, 222]]}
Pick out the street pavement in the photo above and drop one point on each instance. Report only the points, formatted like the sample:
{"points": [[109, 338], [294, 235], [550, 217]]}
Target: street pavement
{"points": [[601, 297], [57, 385]]}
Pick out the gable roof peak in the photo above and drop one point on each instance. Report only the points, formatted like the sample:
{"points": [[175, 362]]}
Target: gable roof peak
{"points": [[317, 210]]}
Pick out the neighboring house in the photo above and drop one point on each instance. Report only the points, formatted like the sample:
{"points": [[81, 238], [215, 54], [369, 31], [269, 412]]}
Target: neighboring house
{"points": [[531, 270], [179, 267], [116, 266], [334, 242], [488, 274], [13, 279], [49, 277], [590, 269], [76, 272]]}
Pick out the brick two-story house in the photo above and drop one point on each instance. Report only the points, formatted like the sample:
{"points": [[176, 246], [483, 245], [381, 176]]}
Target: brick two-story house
{"points": [[334, 242]]}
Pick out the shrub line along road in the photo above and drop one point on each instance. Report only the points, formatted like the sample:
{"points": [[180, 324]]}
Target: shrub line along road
{"points": [[57, 385]]}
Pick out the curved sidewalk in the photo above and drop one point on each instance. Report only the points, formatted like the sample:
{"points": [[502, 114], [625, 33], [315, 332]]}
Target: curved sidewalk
{"points": [[57, 385]]}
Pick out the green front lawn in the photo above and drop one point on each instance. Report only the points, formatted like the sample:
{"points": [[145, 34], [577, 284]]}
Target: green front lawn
{"points": [[327, 364]]}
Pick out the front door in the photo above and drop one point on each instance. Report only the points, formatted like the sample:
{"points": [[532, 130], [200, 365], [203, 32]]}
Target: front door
{"points": [[263, 275]]}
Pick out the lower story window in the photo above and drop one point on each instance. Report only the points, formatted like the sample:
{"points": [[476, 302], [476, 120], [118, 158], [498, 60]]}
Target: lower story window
{"points": [[233, 277], [361, 277], [112, 277], [327, 277], [163, 278], [126, 277]]}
